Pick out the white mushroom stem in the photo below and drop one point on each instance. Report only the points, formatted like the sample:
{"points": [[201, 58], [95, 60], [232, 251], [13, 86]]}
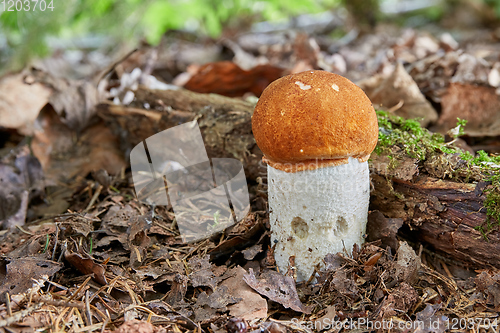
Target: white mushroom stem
{"points": [[316, 212]]}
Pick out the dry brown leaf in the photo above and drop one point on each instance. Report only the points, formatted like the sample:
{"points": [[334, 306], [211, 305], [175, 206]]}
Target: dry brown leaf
{"points": [[402, 298], [488, 283], [202, 274], [74, 101], [21, 273], [63, 155], [115, 224], [252, 251], [134, 326], [407, 264], [385, 229], [344, 285], [478, 105], [278, 288], [226, 78], [433, 323], [177, 290], [21, 179], [205, 314], [252, 306], [17, 111], [400, 86], [86, 265], [219, 299], [138, 240]]}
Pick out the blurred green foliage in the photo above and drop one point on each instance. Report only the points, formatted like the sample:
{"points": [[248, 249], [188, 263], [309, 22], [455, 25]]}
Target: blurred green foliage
{"points": [[24, 33], [495, 5], [211, 16]]}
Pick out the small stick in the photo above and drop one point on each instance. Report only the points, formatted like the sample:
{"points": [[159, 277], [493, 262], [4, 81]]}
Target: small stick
{"points": [[105, 304], [59, 303], [58, 319], [19, 315], [55, 242], [89, 328], [94, 198], [56, 284], [131, 293], [87, 308], [445, 267], [7, 303], [99, 312], [25, 231], [101, 289], [80, 288], [106, 321]]}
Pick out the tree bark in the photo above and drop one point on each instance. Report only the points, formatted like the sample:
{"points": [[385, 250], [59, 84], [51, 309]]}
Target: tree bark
{"points": [[442, 214], [225, 122]]}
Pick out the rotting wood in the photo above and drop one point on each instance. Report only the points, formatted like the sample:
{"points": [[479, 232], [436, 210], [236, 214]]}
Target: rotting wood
{"points": [[442, 214], [225, 122], [439, 213]]}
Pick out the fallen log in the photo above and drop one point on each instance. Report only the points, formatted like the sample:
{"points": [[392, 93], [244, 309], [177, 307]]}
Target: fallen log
{"points": [[225, 122], [409, 182], [443, 214]]}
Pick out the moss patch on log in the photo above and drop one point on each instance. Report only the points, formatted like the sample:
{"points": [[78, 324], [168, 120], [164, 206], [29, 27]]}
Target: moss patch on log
{"points": [[400, 139]]}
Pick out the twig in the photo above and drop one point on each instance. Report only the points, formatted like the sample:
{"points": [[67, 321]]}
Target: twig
{"points": [[58, 319], [106, 321], [131, 293], [89, 328], [53, 217], [87, 308], [56, 284], [7, 304], [450, 283], [94, 198], [99, 312], [195, 249], [101, 289], [59, 303], [105, 304], [55, 242], [25, 231], [19, 315], [80, 288]]}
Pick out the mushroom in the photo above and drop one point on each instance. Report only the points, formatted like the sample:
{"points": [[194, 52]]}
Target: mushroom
{"points": [[316, 130]]}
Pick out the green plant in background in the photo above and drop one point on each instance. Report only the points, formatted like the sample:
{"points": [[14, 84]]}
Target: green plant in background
{"points": [[495, 5], [24, 33], [211, 16]]}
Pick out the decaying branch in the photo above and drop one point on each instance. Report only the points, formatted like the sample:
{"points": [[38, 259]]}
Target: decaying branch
{"points": [[225, 122]]}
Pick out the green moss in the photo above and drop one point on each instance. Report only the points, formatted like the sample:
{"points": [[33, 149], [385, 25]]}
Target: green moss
{"points": [[492, 204], [490, 167], [483, 232], [415, 140], [418, 142], [393, 162]]}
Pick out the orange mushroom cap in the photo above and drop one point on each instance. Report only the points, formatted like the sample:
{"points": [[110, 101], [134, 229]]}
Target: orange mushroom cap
{"points": [[314, 119]]}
